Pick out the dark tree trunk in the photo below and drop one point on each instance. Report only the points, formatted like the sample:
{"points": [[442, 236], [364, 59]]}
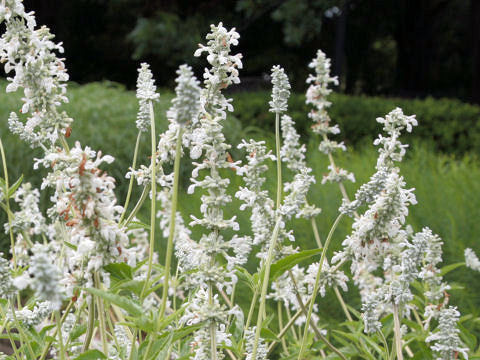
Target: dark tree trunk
{"points": [[340, 39], [475, 43]]}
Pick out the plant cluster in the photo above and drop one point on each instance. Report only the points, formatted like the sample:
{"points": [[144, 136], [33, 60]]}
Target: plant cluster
{"points": [[84, 280]]}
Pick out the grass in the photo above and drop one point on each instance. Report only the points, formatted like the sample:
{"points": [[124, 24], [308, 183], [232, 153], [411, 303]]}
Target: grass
{"points": [[447, 188]]}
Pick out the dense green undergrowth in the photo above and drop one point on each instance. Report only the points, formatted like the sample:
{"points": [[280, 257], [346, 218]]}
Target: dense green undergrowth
{"points": [[451, 125], [446, 186]]}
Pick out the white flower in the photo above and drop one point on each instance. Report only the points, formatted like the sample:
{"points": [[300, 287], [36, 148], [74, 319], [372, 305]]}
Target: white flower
{"points": [[85, 201], [317, 94], [446, 342], [29, 218], [337, 175], [32, 317], [291, 152], [262, 349], [223, 71], [471, 260], [46, 276], [146, 93], [31, 54], [7, 287], [280, 91], [393, 150], [186, 105]]}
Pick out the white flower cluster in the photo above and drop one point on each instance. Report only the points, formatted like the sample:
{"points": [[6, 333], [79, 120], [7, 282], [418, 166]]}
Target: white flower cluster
{"points": [[32, 316], [146, 93], [317, 94], [30, 53], [199, 311], [186, 105], [319, 89], [471, 260], [446, 342], [300, 283], [7, 288], [262, 350], [45, 277], [214, 148], [188, 252], [292, 153], [393, 124], [85, 202], [29, 218], [208, 139], [223, 71], [337, 175], [253, 196], [280, 91]]}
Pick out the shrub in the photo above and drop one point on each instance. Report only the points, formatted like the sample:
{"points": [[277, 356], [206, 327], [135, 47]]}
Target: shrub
{"points": [[452, 126]]}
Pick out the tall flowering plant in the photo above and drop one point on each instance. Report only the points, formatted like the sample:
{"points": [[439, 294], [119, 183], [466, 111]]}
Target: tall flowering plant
{"points": [[85, 281]]}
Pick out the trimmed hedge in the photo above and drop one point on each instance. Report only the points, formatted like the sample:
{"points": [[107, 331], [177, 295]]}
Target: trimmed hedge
{"points": [[452, 126]]}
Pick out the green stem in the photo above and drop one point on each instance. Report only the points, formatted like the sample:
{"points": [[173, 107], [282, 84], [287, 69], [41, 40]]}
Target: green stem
{"points": [[132, 177], [316, 235], [90, 324], [64, 143], [134, 345], [138, 205], [263, 296], [284, 330], [212, 327], [397, 332], [22, 334], [153, 203], [335, 288], [60, 336], [101, 316], [173, 215], [252, 308], [7, 203], [317, 283], [279, 160], [12, 341], [280, 325], [342, 303], [385, 344], [49, 343]]}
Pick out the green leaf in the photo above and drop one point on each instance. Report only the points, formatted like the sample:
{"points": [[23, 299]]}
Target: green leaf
{"points": [[244, 275], [78, 331], [134, 286], [133, 225], [15, 186], [120, 270], [166, 338], [268, 334], [290, 261], [121, 301], [70, 245], [91, 355], [447, 268]]}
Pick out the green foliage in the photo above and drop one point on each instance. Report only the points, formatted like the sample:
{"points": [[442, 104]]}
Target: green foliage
{"points": [[453, 126], [105, 114]]}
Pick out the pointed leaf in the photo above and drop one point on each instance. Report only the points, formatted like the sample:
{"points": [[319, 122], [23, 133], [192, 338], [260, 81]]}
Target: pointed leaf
{"points": [[121, 301], [290, 261], [91, 355], [15, 186]]}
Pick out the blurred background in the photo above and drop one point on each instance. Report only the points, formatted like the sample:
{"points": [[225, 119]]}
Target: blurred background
{"points": [[410, 48]]}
